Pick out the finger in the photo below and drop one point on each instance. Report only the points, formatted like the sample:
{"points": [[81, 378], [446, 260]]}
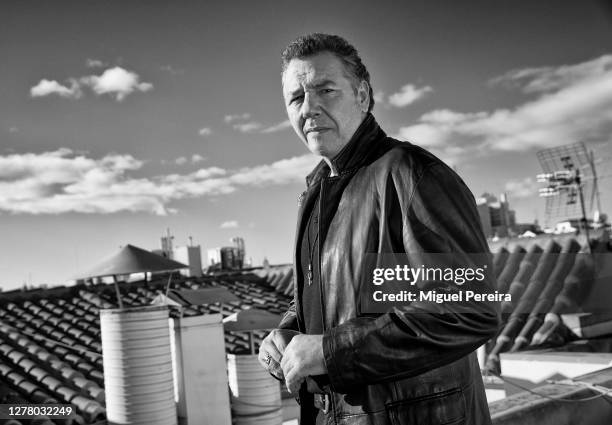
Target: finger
{"points": [[269, 347], [268, 344], [282, 338], [289, 384], [276, 345], [293, 348], [287, 367], [293, 382], [269, 354], [292, 390], [287, 357], [277, 372], [292, 374], [276, 355], [296, 388], [288, 362]]}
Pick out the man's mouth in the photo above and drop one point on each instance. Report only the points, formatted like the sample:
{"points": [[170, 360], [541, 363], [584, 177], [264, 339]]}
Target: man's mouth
{"points": [[315, 130]]}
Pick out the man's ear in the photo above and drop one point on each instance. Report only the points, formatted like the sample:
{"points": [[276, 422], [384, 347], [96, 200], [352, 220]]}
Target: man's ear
{"points": [[363, 95]]}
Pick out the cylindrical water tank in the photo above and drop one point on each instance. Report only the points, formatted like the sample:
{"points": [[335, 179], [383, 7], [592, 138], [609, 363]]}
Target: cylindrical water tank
{"points": [[138, 366], [256, 396]]}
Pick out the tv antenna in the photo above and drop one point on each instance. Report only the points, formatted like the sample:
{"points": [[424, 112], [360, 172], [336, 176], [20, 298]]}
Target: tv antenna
{"points": [[570, 173]]}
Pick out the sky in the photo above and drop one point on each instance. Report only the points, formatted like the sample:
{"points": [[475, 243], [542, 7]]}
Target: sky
{"points": [[120, 120]]}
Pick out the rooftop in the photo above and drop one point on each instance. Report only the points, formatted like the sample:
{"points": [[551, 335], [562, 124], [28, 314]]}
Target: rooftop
{"points": [[50, 350]]}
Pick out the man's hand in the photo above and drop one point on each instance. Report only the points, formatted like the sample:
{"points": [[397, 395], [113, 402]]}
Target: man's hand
{"points": [[302, 357], [272, 348]]}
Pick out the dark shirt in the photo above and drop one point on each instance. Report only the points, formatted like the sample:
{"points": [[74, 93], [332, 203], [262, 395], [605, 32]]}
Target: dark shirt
{"points": [[310, 294], [309, 263]]}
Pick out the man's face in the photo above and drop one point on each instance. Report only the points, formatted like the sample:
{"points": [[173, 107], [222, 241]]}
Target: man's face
{"points": [[322, 104]]}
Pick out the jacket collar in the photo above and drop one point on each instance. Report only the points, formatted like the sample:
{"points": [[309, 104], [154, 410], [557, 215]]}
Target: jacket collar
{"points": [[353, 154]]}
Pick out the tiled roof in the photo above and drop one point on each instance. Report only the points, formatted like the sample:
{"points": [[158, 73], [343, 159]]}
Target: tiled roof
{"points": [[546, 276], [280, 278], [38, 327]]}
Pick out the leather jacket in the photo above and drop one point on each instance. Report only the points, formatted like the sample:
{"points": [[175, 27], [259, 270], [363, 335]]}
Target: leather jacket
{"points": [[412, 365]]}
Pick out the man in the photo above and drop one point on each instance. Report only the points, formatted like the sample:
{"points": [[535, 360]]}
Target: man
{"points": [[414, 364]]}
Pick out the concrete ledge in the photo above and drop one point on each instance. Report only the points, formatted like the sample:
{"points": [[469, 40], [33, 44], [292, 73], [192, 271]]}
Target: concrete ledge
{"points": [[533, 368], [529, 409]]}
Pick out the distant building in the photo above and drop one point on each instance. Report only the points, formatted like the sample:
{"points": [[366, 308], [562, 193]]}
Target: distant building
{"points": [[238, 243], [192, 256], [496, 217], [225, 258], [228, 257], [166, 244], [213, 256]]}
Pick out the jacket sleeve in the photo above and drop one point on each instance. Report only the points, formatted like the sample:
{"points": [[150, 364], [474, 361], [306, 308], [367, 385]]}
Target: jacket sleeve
{"points": [[434, 212]]}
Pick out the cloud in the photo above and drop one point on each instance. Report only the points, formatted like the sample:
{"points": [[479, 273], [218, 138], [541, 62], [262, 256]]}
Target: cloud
{"points": [[548, 78], [231, 118], [232, 224], [408, 94], [572, 103], [283, 125], [48, 87], [522, 188], [205, 131], [195, 158], [292, 170], [182, 160], [59, 181], [63, 181], [172, 70], [13, 130], [117, 82], [94, 63], [248, 127], [244, 124]]}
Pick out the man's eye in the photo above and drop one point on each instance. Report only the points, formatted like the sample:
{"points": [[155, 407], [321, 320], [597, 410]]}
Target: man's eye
{"points": [[328, 90], [297, 98]]}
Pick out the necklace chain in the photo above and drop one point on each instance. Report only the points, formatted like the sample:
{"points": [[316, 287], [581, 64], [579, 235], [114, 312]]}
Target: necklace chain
{"points": [[311, 248]]}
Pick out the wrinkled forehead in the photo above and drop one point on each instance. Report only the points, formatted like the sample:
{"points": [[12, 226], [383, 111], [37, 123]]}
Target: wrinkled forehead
{"points": [[312, 71]]}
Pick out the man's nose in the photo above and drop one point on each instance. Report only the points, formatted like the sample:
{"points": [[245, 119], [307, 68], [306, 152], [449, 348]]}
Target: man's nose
{"points": [[311, 106]]}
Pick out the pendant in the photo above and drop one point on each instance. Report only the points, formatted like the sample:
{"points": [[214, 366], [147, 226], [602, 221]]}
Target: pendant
{"points": [[309, 274]]}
